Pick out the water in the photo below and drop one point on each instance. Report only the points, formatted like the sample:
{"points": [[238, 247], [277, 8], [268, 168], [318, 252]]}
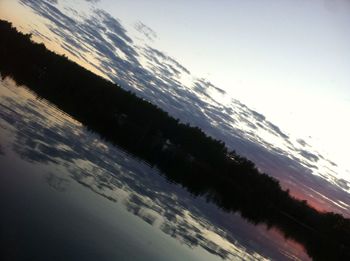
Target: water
{"points": [[68, 195]]}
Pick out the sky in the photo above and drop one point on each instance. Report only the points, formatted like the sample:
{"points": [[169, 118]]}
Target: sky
{"points": [[288, 59], [272, 72]]}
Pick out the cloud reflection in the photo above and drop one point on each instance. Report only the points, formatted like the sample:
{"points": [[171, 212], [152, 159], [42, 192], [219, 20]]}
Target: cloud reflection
{"points": [[40, 134]]}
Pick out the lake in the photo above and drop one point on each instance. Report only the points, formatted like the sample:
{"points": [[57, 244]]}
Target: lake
{"points": [[66, 194]]}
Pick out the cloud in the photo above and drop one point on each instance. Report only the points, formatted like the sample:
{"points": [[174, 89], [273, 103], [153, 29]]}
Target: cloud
{"points": [[146, 31], [302, 142], [277, 130], [309, 155], [343, 183], [157, 55], [206, 87]]}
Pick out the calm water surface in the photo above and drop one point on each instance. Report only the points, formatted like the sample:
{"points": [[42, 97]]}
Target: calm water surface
{"points": [[66, 194]]}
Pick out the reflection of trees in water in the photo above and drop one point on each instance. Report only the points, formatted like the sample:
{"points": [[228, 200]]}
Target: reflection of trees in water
{"points": [[92, 165]]}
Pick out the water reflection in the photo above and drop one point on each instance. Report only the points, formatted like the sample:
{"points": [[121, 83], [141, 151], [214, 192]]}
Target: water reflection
{"points": [[40, 134]]}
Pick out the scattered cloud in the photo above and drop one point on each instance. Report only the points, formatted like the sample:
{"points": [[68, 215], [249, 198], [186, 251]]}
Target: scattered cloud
{"points": [[343, 183], [302, 142], [146, 31], [308, 155]]}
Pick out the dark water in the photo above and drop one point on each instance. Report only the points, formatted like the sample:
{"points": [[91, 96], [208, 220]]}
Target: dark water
{"points": [[65, 194]]}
